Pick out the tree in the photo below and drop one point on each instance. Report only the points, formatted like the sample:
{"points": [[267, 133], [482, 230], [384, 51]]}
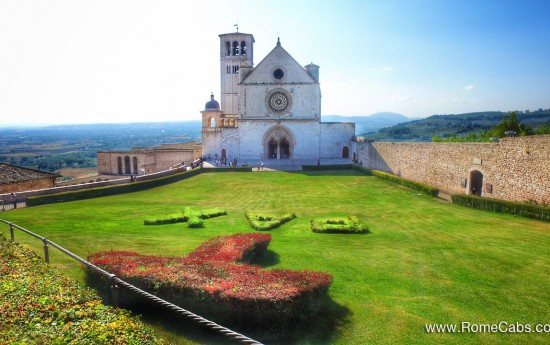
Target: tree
{"points": [[509, 124]]}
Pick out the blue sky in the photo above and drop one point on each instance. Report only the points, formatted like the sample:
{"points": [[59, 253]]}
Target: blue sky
{"points": [[77, 61]]}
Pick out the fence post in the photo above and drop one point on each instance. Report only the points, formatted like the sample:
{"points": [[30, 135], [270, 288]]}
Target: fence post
{"points": [[46, 254], [11, 233], [114, 291]]}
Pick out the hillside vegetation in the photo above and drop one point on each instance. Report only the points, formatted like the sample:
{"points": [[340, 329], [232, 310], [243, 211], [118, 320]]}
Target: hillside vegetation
{"points": [[445, 126], [424, 261]]}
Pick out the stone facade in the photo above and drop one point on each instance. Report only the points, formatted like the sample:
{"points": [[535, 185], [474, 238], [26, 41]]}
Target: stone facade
{"points": [[141, 161], [269, 112], [515, 169]]}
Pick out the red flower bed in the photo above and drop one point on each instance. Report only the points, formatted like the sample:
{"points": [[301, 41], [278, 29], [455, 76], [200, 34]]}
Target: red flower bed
{"points": [[217, 280]]}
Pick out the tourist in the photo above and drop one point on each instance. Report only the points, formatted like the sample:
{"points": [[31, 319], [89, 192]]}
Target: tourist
{"points": [[14, 199]]}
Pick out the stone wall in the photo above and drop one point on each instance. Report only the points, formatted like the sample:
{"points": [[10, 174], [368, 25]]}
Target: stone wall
{"points": [[27, 185], [516, 169]]}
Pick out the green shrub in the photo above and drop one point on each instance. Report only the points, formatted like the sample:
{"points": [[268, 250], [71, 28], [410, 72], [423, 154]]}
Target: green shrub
{"points": [[362, 169], [339, 226], [185, 216], [40, 306], [327, 167], [227, 169], [520, 209], [264, 222], [421, 187], [109, 190], [195, 222]]}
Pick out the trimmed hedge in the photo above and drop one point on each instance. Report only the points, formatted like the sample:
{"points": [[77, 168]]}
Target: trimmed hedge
{"points": [[110, 190], [185, 216], [520, 209], [421, 187], [327, 167], [217, 282], [339, 226], [38, 305], [362, 169], [265, 222], [227, 169]]}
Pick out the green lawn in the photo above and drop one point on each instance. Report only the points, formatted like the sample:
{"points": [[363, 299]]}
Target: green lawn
{"points": [[425, 261]]}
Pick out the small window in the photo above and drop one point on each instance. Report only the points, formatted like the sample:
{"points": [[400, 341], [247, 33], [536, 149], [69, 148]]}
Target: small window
{"points": [[278, 74], [227, 48], [243, 48], [236, 48]]}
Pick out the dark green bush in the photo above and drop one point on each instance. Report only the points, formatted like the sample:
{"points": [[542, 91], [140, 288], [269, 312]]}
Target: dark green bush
{"points": [[227, 169], [424, 188], [327, 167], [362, 169], [109, 190], [520, 209]]}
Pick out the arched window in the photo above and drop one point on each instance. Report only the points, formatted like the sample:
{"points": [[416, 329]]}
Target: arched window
{"points": [[236, 48], [227, 48], [134, 161], [345, 152], [119, 165], [211, 122], [243, 48], [127, 167]]}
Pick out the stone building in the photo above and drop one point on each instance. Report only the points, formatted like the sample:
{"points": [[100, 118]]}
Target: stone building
{"points": [[140, 161], [270, 112], [15, 179]]}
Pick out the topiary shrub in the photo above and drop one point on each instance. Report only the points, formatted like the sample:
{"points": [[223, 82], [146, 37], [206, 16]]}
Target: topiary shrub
{"points": [[265, 222], [339, 226], [185, 216], [502, 206], [421, 187], [195, 222], [217, 281]]}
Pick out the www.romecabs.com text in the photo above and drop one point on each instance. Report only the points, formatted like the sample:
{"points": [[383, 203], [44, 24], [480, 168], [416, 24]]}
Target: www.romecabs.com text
{"points": [[501, 327]]}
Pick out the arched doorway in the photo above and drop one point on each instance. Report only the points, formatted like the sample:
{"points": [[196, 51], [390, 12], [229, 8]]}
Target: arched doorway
{"points": [[127, 167], [135, 165], [272, 148], [476, 182], [119, 165], [345, 152], [224, 156], [278, 143], [285, 148]]}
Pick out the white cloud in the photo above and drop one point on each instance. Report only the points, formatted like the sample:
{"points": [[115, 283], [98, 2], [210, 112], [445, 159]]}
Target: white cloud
{"points": [[388, 69], [469, 87]]}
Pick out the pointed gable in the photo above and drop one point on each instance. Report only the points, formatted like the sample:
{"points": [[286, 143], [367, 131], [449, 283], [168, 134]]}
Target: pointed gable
{"points": [[278, 67]]}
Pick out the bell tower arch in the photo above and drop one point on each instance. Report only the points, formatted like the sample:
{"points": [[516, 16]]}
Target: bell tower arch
{"points": [[236, 51]]}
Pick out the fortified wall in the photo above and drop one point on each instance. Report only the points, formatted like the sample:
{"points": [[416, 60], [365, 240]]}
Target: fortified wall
{"points": [[515, 169]]}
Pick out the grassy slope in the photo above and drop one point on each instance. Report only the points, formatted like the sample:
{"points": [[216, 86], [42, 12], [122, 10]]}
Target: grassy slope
{"points": [[424, 262]]}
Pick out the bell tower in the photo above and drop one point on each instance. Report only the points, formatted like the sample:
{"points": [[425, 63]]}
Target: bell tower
{"points": [[236, 51]]}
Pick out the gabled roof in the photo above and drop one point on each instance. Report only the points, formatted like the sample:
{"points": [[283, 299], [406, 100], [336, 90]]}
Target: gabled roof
{"points": [[13, 174], [279, 57]]}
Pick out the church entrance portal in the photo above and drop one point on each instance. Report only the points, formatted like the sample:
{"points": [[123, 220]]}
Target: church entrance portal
{"points": [[278, 143], [476, 182]]}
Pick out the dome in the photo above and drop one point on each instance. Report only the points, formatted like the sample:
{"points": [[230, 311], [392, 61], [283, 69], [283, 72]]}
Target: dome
{"points": [[212, 104]]}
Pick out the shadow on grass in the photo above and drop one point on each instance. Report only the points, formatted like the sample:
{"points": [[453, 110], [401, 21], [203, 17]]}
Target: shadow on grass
{"points": [[270, 258], [323, 328]]}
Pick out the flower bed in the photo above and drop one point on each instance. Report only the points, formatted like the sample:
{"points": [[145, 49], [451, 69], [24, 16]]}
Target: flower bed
{"points": [[264, 222], [218, 281], [352, 225]]}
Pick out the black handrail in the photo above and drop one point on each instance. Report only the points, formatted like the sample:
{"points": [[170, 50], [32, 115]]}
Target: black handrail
{"points": [[115, 282]]}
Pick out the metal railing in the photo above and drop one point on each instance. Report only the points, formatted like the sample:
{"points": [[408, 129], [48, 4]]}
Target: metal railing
{"points": [[116, 282]]}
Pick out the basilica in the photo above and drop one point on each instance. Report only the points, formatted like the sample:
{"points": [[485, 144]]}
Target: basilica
{"points": [[269, 112]]}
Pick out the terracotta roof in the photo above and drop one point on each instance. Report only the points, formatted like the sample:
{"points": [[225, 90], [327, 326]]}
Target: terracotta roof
{"points": [[13, 174]]}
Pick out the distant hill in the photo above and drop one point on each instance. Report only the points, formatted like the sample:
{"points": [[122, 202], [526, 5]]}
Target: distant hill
{"points": [[370, 123], [445, 125]]}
